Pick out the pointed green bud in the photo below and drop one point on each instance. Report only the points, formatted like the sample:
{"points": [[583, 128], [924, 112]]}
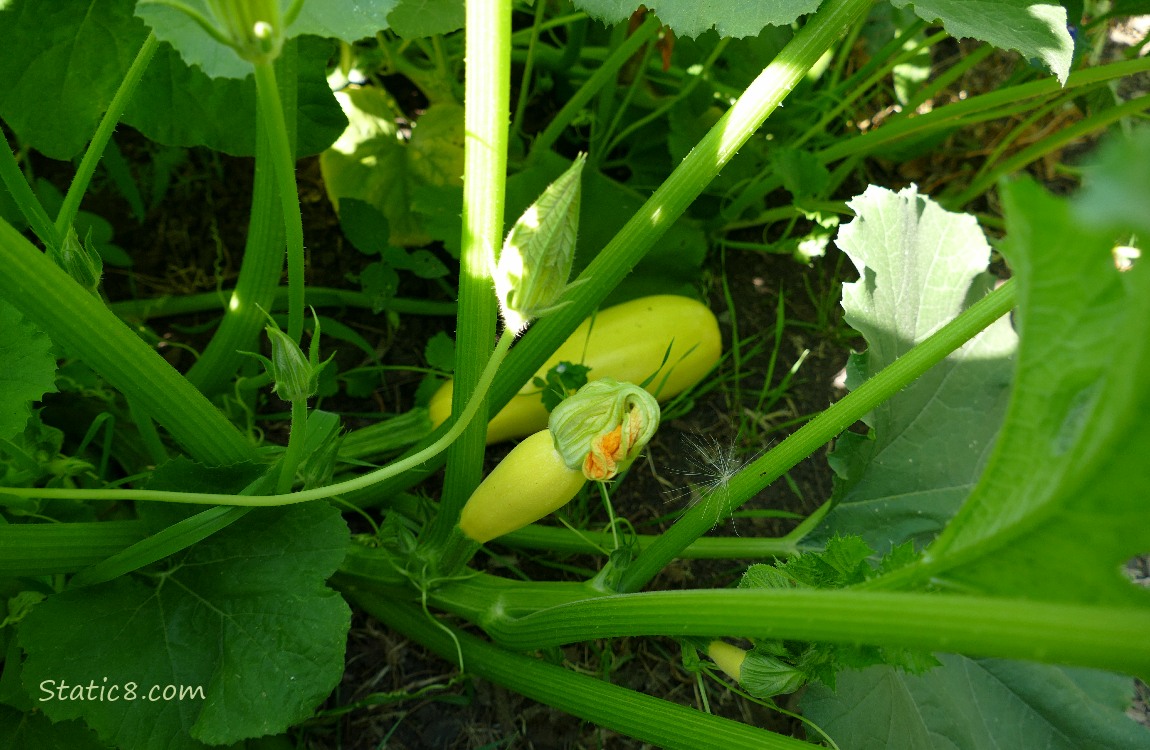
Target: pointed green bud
{"points": [[80, 261], [533, 267], [296, 375], [253, 28], [603, 428]]}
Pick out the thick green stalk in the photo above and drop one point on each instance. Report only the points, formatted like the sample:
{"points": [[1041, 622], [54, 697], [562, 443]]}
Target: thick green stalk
{"points": [[1063, 633], [283, 168], [84, 327], [669, 202], [822, 429], [652, 720], [41, 549], [263, 261], [103, 134], [487, 98]]}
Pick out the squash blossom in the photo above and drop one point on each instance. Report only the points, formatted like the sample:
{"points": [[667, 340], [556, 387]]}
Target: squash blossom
{"points": [[531, 271], [603, 428], [594, 434]]}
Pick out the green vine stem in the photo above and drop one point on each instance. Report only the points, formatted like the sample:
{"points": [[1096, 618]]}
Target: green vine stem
{"points": [[103, 134], [487, 100], [264, 501], [652, 720], [86, 328], [890, 380], [263, 262], [669, 202]]}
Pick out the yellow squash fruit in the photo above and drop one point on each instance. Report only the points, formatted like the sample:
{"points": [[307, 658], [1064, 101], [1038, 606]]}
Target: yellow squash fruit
{"points": [[529, 483], [728, 658], [627, 342]]}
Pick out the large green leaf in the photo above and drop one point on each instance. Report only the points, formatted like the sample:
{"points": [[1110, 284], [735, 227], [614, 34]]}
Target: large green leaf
{"points": [[348, 20], [1063, 501], [735, 18], [28, 371], [977, 704], [1035, 29], [178, 105], [60, 64], [919, 267], [244, 615]]}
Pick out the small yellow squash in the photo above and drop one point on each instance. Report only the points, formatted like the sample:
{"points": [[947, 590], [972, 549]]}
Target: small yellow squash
{"points": [[528, 484], [626, 342]]}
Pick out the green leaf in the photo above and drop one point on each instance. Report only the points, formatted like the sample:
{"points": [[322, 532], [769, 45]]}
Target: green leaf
{"points": [[244, 615], [364, 226], [179, 105], [1062, 503], [692, 17], [1035, 29], [440, 352], [920, 266], [61, 64], [29, 370], [347, 20], [369, 162], [32, 729], [380, 282], [1114, 197], [435, 152], [804, 176], [561, 381], [977, 704], [415, 19]]}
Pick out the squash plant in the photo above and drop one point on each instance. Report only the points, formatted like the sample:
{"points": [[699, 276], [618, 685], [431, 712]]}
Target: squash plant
{"points": [[983, 517]]}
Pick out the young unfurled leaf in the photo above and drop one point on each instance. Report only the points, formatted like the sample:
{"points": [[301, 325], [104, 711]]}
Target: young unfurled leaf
{"points": [[532, 268]]}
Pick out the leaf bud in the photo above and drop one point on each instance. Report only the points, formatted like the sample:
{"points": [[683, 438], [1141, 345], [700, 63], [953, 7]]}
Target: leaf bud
{"points": [[534, 264], [603, 427], [295, 374], [80, 261]]}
